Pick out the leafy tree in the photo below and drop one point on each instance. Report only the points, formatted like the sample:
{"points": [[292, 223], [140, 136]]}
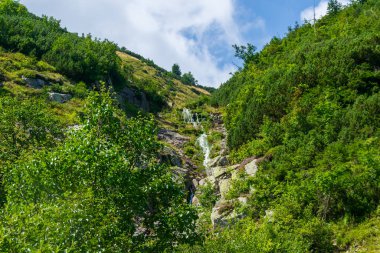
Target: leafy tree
{"points": [[176, 70], [26, 125], [12, 7], [333, 7], [81, 58], [309, 105], [246, 53], [189, 79], [101, 190]]}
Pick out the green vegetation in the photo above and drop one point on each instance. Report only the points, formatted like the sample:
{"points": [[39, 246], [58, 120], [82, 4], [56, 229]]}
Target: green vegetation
{"points": [[310, 104], [79, 176], [80, 58], [100, 189]]}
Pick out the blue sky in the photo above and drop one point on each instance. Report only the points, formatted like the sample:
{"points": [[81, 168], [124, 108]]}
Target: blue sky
{"points": [[196, 34]]}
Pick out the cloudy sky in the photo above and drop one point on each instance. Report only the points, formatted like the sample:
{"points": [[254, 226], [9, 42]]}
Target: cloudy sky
{"points": [[196, 34]]}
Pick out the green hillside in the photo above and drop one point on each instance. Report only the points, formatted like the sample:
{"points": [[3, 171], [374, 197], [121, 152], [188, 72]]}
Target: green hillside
{"points": [[80, 167], [101, 150], [309, 104]]}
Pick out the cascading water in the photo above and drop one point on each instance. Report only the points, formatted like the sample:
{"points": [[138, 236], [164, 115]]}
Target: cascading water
{"points": [[203, 142], [188, 117]]}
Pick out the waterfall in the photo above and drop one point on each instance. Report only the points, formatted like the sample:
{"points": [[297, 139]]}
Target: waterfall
{"points": [[193, 118], [203, 142], [188, 117]]}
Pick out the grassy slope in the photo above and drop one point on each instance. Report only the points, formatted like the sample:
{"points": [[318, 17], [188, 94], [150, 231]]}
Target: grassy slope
{"points": [[13, 66]]}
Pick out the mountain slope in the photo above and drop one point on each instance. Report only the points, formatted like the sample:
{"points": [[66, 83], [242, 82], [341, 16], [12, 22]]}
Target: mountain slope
{"points": [[308, 106]]}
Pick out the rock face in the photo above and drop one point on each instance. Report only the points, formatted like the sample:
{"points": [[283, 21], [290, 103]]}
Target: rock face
{"points": [[172, 137], [134, 97], [224, 212], [170, 156], [219, 161], [59, 97]]}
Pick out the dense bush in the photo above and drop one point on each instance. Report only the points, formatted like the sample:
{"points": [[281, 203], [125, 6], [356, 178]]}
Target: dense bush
{"points": [[102, 189], [81, 58], [310, 104]]}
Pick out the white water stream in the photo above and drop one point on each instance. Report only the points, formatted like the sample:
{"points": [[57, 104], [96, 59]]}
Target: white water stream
{"points": [[188, 117], [203, 142]]}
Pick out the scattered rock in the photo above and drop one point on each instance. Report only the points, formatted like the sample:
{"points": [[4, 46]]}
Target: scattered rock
{"points": [[179, 172], [218, 171], [269, 215], [251, 168], [195, 183], [75, 127], [234, 171], [223, 214], [59, 98], [172, 137], [224, 187], [195, 201], [210, 180], [243, 200], [35, 83], [246, 161], [202, 182]]}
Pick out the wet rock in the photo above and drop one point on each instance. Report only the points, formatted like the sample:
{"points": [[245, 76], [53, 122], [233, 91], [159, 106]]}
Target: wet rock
{"points": [[172, 137], [219, 161], [59, 97]]}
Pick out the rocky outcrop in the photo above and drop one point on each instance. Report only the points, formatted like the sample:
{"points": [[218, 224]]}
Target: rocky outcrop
{"points": [[218, 161], [172, 138], [59, 97], [224, 213], [218, 125], [221, 178], [36, 83], [171, 157], [134, 97]]}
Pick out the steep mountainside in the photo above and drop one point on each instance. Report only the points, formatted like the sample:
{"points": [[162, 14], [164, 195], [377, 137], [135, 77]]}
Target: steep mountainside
{"points": [[101, 150], [81, 166], [305, 114]]}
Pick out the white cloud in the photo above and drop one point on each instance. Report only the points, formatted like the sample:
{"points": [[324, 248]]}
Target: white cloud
{"points": [[167, 31], [320, 10]]}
